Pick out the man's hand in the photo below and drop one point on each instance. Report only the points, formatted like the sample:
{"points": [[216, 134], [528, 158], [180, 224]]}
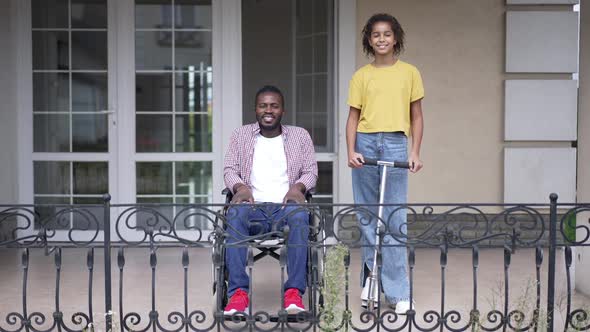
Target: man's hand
{"points": [[355, 160], [242, 194], [295, 194], [415, 162]]}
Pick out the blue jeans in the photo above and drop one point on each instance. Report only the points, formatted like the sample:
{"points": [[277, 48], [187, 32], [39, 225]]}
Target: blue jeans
{"points": [[365, 184], [246, 220]]}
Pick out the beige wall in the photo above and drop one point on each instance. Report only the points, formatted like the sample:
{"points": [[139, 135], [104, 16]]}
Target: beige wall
{"points": [[459, 48], [8, 115]]}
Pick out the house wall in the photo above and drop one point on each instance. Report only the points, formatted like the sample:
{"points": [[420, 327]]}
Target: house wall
{"points": [[459, 49]]}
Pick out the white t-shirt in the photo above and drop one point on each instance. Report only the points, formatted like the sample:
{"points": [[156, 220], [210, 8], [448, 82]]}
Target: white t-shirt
{"points": [[269, 178]]}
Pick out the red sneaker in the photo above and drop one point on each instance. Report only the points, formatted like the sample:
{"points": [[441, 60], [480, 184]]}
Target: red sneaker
{"points": [[293, 302], [238, 302]]}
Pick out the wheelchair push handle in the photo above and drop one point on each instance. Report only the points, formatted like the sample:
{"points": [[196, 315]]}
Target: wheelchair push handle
{"points": [[397, 164]]}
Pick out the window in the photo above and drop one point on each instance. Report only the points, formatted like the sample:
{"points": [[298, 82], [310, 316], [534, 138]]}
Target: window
{"points": [[173, 50]]}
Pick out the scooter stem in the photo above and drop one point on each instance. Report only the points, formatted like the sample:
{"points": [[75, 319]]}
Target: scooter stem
{"points": [[374, 279]]}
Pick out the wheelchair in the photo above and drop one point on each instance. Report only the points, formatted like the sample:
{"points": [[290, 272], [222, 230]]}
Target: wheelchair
{"points": [[272, 245]]}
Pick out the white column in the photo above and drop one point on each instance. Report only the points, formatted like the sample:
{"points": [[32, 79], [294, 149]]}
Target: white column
{"points": [[346, 40]]}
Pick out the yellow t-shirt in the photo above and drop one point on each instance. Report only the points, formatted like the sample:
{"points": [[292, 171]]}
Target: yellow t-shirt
{"points": [[384, 94]]}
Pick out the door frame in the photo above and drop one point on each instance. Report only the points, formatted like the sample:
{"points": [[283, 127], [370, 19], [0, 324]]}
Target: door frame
{"points": [[227, 99]]}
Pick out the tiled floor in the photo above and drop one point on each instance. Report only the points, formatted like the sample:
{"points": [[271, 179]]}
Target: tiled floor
{"points": [[266, 284]]}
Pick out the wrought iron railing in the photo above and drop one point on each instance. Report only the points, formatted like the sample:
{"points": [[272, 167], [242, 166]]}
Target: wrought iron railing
{"points": [[113, 229]]}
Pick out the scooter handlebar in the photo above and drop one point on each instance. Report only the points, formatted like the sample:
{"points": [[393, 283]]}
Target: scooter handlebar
{"points": [[397, 164]]}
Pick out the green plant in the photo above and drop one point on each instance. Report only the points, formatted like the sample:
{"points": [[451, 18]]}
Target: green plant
{"points": [[569, 227], [333, 314], [99, 325], [525, 304]]}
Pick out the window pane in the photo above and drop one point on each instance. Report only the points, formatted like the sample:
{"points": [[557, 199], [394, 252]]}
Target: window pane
{"points": [[153, 50], [193, 91], [304, 103], [89, 50], [153, 92], [50, 50], [51, 133], [51, 177], [193, 48], [89, 92], [304, 55], [48, 214], [324, 184], [193, 178], [152, 14], [155, 216], [304, 17], [320, 15], [89, 14], [91, 217], [154, 178], [320, 119], [90, 133], [154, 133], [49, 14], [324, 193], [320, 53], [191, 218], [91, 178], [51, 92], [193, 133], [193, 14]]}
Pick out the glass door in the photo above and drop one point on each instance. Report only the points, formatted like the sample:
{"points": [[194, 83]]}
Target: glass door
{"points": [[73, 123], [173, 119]]}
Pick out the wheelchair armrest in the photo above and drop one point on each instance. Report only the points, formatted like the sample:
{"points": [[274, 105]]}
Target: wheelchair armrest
{"points": [[229, 195], [308, 197]]}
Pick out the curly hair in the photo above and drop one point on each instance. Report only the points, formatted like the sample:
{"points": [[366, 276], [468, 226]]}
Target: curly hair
{"points": [[398, 33], [269, 89]]}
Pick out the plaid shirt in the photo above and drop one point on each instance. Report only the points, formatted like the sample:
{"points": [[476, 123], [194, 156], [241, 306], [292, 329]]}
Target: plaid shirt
{"points": [[301, 164]]}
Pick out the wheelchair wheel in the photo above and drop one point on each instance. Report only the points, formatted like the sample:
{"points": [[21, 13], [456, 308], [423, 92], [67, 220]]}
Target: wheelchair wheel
{"points": [[222, 300], [220, 284], [316, 282]]}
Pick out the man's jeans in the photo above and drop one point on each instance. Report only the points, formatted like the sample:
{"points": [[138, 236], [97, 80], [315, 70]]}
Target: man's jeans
{"points": [[365, 183], [246, 220]]}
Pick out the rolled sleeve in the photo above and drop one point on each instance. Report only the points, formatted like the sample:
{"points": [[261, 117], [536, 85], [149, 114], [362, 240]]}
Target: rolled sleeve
{"points": [[309, 171], [231, 163]]}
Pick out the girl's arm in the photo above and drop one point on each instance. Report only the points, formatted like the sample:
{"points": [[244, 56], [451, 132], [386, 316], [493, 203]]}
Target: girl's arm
{"points": [[351, 126], [417, 127]]}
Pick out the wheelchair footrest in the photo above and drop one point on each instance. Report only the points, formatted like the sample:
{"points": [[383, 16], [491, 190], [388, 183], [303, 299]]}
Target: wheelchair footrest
{"points": [[294, 318]]}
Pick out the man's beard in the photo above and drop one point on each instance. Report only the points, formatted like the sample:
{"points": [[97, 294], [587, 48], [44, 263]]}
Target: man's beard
{"points": [[270, 127]]}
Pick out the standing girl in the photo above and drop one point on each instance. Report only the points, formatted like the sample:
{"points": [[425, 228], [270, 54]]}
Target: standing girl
{"points": [[385, 109]]}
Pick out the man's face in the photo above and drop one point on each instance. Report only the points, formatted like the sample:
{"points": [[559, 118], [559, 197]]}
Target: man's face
{"points": [[269, 110]]}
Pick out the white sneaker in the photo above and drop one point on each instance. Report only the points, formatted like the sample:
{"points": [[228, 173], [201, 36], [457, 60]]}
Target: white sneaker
{"points": [[402, 307], [365, 293]]}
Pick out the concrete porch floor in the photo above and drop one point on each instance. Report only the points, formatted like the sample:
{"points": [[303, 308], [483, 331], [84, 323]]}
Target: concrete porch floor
{"points": [[266, 284]]}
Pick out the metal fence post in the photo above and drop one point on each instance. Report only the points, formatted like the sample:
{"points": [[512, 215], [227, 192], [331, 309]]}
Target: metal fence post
{"points": [[551, 269], [108, 301]]}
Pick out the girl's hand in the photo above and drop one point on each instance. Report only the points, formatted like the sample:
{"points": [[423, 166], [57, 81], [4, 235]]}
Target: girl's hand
{"points": [[355, 160], [415, 163]]}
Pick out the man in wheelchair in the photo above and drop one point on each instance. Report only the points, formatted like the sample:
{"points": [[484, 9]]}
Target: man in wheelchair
{"points": [[267, 162]]}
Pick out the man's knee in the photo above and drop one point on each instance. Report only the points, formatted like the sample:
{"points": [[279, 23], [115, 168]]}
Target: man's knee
{"points": [[297, 215], [237, 218]]}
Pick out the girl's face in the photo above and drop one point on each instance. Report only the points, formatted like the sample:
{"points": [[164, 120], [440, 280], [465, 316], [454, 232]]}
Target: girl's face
{"points": [[382, 39]]}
